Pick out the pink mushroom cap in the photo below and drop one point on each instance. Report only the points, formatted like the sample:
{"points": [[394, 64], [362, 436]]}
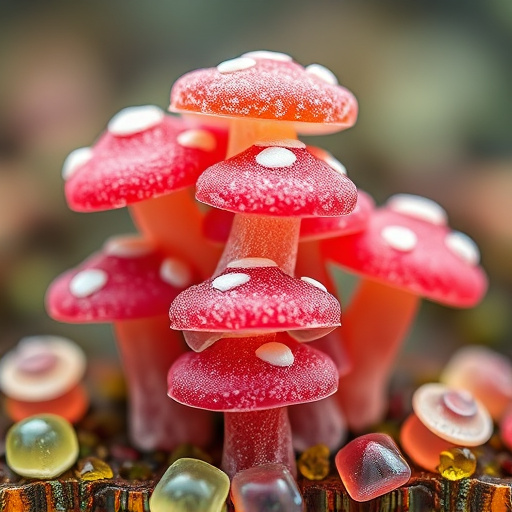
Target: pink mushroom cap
{"points": [[268, 86], [254, 295], [407, 245], [128, 279], [277, 178], [251, 374], [143, 154]]}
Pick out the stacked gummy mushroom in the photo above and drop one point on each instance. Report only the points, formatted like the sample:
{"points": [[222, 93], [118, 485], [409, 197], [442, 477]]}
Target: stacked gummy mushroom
{"points": [[148, 161], [247, 323]]}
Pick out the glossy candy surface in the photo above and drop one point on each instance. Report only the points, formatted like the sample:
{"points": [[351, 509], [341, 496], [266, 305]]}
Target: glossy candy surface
{"points": [[371, 465], [457, 463], [269, 487], [264, 87], [407, 245], [144, 154], [278, 178], [92, 468], [190, 485], [42, 446]]}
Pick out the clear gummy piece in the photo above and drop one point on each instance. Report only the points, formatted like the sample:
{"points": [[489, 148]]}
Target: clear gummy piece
{"points": [[267, 487]]}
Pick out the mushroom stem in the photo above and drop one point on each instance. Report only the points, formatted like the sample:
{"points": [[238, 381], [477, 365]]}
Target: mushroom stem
{"points": [[374, 325], [257, 437], [326, 422], [245, 132], [174, 221], [147, 349], [261, 236]]}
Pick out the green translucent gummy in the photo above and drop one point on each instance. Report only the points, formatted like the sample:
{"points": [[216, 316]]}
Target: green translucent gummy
{"points": [[42, 446], [190, 484]]}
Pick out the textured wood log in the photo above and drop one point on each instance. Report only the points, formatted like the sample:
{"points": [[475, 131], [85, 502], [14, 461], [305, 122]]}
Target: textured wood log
{"points": [[425, 492]]}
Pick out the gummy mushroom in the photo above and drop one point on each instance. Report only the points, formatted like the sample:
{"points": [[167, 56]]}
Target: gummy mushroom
{"points": [[131, 283], [483, 372], [271, 186], [148, 161], [252, 380], [253, 296], [443, 418], [266, 95], [43, 374], [406, 252]]}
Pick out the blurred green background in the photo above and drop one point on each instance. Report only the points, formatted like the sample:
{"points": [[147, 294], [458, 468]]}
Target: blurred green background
{"points": [[433, 79]]}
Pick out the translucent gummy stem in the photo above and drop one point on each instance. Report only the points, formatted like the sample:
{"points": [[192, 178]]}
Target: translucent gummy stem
{"points": [[245, 132], [257, 437], [174, 221], [374, 325], [147, 349], [260, 236]]}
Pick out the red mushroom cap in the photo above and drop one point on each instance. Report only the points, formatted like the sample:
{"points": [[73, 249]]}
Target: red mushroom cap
{"points": [[330, 227], [129, 279], [407, 245], [143, 154], [254, 295], [252, 374], [277, 178], [267, 86]]}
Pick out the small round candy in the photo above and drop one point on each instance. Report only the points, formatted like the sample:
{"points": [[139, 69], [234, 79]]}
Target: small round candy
{"points": [[457, 463], [42, 446]]}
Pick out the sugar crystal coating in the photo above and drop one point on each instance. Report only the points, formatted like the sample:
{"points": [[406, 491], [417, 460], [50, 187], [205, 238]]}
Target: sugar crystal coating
{"points": [[372, 465], [74, 160], [269, 89], [274, 353], [42, 446], [190, 485], [87, 282], [260, 298], [457, 463], [228, 376], [299, 185], [132, 120], [266, 487]]}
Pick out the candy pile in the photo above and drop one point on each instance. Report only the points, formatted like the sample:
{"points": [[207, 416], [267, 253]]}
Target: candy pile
{"points": [[247, 283]]}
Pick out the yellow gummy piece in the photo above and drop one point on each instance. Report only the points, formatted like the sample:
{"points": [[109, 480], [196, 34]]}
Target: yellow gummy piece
{"points": [[313, 464], [457, 463], [94, 469]]}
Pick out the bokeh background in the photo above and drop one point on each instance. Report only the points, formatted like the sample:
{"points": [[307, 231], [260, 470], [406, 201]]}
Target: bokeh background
{"points": [[433, 78]]}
